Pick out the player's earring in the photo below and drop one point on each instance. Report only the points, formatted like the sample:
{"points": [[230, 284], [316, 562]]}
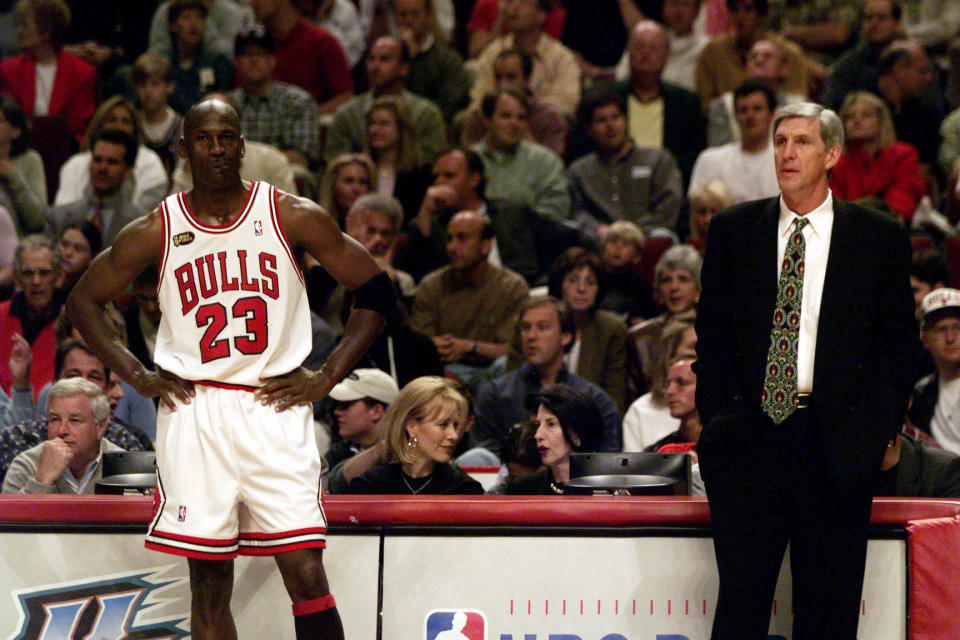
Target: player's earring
{"points": [[575, 440], [412, 442]]}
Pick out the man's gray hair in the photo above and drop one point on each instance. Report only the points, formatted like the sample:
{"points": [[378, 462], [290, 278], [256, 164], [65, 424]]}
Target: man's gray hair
{"points": [[33, 242], [682, 257], [70, 387], [831, 127], [384, 205]]}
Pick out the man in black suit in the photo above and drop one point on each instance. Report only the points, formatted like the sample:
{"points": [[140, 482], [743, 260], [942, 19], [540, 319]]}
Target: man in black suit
{"points": [[796, 426]]}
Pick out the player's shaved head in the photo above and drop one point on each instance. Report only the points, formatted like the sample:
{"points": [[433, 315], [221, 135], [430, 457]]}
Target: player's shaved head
{"points": [[211, 107], [212, 144]]}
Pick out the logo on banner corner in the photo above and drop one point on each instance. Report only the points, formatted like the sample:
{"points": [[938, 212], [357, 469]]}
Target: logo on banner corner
{"points": [[131, 605], [455, 624]]}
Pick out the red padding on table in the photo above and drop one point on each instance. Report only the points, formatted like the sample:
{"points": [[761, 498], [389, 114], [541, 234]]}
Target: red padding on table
{"points": [[613, 511], [934, 547]]}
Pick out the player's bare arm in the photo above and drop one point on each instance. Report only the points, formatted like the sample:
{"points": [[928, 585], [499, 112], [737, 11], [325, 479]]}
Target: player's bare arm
{"points": [[136, 247], [308, 226]]}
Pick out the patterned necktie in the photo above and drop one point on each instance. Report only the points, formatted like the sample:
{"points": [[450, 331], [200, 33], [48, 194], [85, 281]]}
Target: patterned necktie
{"points": [[780, 383]]}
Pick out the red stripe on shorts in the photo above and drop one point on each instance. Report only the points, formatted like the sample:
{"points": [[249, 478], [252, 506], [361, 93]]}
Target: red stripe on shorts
{"points": [[188, 553], [206, 542]]}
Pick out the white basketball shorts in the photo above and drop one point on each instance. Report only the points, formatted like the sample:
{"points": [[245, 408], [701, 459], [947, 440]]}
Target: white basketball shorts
{"points": [[234, 476]]}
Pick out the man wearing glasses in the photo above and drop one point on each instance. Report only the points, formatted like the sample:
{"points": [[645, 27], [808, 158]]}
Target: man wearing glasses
{"points": [[26, 320]]}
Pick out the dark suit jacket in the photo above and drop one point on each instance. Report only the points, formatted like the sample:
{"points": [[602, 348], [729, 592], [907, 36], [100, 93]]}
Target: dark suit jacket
{"points": [[74, 88], [864, 365]]}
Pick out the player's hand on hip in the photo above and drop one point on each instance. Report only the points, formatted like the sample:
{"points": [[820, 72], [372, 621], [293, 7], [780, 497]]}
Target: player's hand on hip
{"points": [[282, 392], [169, 387]]}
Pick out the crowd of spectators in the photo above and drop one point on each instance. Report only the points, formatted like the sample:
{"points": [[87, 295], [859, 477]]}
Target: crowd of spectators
{"points": [[536, 176]]}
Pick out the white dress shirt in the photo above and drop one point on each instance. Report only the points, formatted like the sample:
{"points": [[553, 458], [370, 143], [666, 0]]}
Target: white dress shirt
{"points": [[816, 235]]}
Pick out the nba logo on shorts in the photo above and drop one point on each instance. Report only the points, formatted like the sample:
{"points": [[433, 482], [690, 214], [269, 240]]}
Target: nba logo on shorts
{"points": [[182, 514], [257, 228], [455, 624]]}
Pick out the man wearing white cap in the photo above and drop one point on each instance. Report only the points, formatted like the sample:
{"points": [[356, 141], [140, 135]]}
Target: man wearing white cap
{"points": [[936, 397], [362, 398]]}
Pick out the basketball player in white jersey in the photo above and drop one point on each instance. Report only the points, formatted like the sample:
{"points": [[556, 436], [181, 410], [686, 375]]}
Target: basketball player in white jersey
{"points": [[237, 468]]}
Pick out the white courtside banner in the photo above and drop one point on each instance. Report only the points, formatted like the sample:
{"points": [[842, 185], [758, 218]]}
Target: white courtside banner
{"points": [[434, 588], [545, 588]]}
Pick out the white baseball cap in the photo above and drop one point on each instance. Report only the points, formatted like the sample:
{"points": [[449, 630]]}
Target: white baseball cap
{"points": [[938, 299], [366, 383]]}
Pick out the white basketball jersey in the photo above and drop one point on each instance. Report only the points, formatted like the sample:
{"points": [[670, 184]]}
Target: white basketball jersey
{"points": [[234, 304]]}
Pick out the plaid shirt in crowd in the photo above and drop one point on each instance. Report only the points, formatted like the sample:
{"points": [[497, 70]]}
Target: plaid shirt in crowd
{"points": [[286, 118]]}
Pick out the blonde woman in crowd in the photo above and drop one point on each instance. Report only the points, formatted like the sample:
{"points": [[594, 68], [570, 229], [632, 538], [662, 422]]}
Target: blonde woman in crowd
{"points": [[422, 428]]}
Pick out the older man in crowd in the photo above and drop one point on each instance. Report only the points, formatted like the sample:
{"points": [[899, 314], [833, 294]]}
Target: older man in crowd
{"points": [[27, 318], [69, 461]]}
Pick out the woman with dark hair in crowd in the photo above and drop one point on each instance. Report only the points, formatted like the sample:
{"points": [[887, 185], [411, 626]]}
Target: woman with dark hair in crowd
{"points": [[392, 145], [23, 184], [599, 349], [348, 176], [79, 244], [422, 426], [568, 422], [150, 178]]}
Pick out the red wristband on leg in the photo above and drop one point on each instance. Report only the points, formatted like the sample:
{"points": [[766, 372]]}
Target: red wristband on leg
{"points": [[307, 607]]}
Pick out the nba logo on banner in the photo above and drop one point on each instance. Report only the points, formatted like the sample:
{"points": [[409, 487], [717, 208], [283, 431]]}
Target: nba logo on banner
{"points": [[455, 624], [182, 514], [257, 228]]}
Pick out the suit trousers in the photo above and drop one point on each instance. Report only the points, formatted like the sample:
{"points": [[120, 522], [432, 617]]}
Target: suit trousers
{"points": [[766, 487]]}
